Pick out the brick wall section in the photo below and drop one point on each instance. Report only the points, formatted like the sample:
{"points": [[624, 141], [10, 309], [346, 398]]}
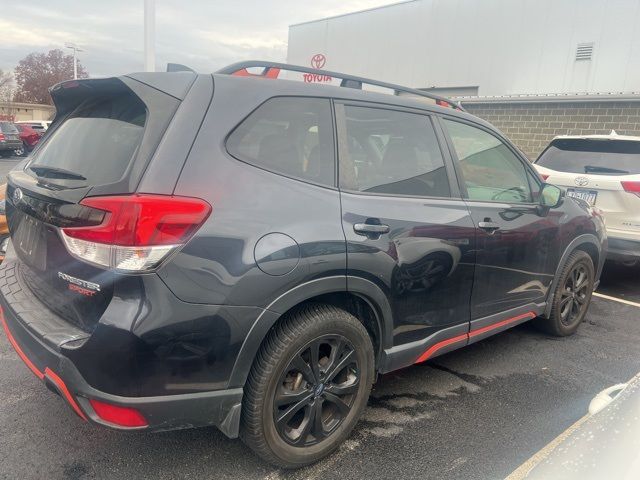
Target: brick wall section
{"points": [[531, 126]]}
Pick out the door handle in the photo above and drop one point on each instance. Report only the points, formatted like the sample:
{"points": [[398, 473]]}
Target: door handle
{"points": [[489, 227], [370, 229]]}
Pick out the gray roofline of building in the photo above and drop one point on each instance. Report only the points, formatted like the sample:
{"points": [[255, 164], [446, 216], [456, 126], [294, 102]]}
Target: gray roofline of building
{"points": [[552, 98], [353, 13]]}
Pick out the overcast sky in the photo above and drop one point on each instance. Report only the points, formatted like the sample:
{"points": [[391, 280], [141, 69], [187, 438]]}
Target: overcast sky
{"points": [[205, 35]]}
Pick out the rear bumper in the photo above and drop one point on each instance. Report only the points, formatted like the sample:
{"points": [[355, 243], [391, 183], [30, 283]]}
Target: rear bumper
{"points": [[219, 408], [623, 249], [11, 145]]}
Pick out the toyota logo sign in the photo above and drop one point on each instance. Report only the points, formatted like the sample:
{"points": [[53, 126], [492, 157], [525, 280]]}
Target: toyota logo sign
{"points": [[581, 181], [318, 61]]}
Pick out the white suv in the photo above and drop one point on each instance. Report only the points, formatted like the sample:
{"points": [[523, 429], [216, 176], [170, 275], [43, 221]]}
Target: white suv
{"points": [[604, 171]]}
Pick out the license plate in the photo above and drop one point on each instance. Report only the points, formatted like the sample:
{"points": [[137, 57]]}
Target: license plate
{"points": [[29, 239], [588, 196]]}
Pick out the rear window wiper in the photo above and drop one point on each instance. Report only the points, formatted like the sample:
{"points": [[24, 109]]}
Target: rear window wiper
{"points": [[55, 172], [594, 169]]}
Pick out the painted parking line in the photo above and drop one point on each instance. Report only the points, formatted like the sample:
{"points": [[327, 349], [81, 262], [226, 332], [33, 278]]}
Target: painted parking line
{"points": [[615, 299], [523, 470]]}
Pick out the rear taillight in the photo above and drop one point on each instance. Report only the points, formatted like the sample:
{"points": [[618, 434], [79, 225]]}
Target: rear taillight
{"points": [[117, 415], [544, 176], [631, 187], [1, 137], [137, 231]]}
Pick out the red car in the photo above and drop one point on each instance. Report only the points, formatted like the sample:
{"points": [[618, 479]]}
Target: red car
{"points": [[29, 137]]}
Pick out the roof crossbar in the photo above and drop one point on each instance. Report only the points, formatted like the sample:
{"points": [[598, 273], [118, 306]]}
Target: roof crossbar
{"points": [[273, 69]]}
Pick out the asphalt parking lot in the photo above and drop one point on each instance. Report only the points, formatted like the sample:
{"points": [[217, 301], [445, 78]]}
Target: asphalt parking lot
{"points": [[477, 413], [6, 164]]}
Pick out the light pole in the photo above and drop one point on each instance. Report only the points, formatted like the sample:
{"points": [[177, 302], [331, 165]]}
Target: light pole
{"points": [[75, 49], [149, 35]]}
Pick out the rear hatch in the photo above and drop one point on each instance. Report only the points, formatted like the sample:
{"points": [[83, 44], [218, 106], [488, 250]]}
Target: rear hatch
{"points": [[99, 144], [605, 172], [9, 136]]}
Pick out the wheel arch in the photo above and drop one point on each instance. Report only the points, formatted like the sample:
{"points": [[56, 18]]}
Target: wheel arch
{"points": [[363, 299], [588, 243]]}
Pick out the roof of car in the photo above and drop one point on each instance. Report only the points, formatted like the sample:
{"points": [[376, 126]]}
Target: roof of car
{"points": [[611, 136], [284, 87]]}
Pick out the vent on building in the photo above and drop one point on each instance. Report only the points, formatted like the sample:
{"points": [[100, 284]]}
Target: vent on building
{"points": [[584, 51]]}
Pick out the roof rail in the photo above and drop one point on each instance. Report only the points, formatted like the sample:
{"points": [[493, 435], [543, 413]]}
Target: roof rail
{"points": [[273, 69]]}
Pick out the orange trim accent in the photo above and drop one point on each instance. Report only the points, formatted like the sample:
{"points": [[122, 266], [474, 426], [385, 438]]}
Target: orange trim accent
{"points": [[65, 392], [434, 348], [18, 350], [473, 333], [47, 371], [268, 72]]}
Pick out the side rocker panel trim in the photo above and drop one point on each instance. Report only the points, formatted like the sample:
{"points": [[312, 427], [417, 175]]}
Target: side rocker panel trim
{"points": [[457, 336]]}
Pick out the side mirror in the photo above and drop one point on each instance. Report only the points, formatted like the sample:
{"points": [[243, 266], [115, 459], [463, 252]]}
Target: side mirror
{"points": [[551, 196]]}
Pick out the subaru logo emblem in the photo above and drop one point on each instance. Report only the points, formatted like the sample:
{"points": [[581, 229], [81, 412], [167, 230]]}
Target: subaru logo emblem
{"points": [[319, 390], [17, 196], [581, 181]]}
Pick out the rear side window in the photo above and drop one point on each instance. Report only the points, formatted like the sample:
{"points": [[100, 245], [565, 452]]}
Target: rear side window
{"points": [[292, 136], [98, 140], [390, 152], [603, 157]]}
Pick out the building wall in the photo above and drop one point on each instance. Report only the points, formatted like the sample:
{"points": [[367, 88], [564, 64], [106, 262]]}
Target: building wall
{"points": [[503, 47], [14, 111], [531, 126]]}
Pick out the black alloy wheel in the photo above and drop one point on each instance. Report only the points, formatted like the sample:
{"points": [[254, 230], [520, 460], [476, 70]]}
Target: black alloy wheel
{"points": [[575, 294], [571, 296], [316, 391], [308, 386]]}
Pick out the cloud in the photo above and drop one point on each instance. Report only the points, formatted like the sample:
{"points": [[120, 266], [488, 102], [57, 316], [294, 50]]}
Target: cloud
{"points": [[201, 33]]}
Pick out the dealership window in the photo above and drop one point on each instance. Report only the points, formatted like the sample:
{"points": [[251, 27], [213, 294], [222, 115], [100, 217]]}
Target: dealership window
{"points": [[290, 136], [490, 170], [390, 152]]}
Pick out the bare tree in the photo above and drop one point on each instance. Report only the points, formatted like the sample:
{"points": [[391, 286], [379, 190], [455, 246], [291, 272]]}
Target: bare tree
{"points": [[37, 72], [6, 86], [7, 111]]}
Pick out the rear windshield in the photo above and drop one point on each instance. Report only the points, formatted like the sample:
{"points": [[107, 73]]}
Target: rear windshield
{"points": [[6, 127], [600, 157], [98, 140]]}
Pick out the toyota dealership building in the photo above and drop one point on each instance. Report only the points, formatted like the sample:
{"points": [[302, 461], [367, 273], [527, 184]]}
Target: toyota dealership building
{"points": [[534, 68]]}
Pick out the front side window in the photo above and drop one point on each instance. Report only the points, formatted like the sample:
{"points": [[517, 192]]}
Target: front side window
{"points": [[490, 170], [390, 152], [292, 136]]}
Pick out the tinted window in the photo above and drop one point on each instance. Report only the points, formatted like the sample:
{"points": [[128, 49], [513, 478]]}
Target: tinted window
{"points": [[6, 127], [490, 170], [613, 157], [384, 151], [98, 140], [292, 136]]}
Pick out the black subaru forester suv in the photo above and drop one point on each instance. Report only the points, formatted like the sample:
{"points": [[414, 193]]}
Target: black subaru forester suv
{"points": [[228, 250]]}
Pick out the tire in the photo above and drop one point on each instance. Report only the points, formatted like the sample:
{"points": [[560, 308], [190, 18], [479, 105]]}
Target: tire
{"points": [[572, 296], [22, 151], [339, 338]]}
